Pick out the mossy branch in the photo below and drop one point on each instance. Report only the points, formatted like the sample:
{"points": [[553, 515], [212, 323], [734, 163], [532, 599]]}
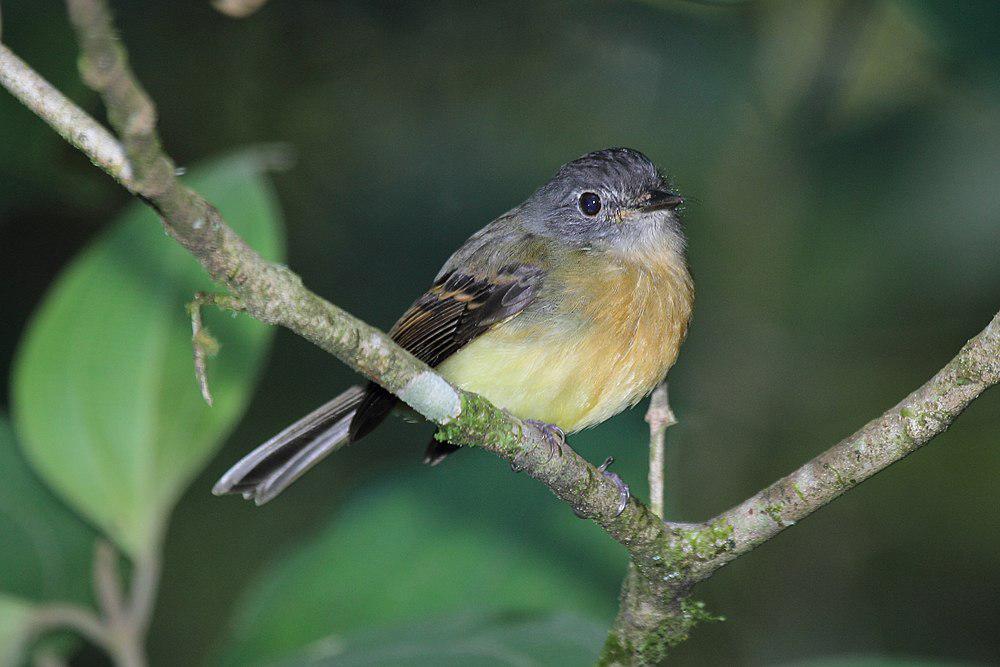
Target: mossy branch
{"points": [[667, 559], [644, 631]]}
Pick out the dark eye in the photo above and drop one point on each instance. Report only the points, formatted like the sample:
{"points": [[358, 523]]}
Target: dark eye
{"points": [[590, 203]]}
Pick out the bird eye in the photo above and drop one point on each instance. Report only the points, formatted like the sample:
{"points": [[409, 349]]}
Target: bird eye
{"points": [[590, 203]]}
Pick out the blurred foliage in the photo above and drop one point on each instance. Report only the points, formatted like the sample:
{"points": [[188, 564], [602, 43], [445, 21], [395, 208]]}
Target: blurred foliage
{"points": [[45, 554], [844, 225], [409, 532], [103, 395], [487, 640], [102, 386], [15, 615], [46, 548]]}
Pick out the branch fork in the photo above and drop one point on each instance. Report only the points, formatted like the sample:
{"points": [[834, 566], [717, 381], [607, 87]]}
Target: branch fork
{"points": [[120, 627]]}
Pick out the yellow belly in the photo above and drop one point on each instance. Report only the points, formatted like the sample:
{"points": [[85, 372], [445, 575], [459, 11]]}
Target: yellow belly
{"points": [[624, 335]]}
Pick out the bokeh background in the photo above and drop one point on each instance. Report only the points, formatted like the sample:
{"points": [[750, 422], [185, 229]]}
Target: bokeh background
{"points": [[841, 162]]}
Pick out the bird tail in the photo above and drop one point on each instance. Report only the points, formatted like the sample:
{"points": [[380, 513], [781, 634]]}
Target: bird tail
{"points": [[270, 468]]}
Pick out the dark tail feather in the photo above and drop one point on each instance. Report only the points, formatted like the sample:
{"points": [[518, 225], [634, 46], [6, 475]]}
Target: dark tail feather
{"points": [[372, 410], [270, 468], [374, 407], [438, 451]]}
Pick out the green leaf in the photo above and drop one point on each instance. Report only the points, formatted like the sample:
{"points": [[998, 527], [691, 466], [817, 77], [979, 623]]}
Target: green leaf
{"points": [[106, 403], [47, 550], [15, 617], [395, 555], [484, 640]]}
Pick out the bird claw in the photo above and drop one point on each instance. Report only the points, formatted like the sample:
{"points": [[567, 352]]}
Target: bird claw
{"points": [[623, 492], [553, 435]]}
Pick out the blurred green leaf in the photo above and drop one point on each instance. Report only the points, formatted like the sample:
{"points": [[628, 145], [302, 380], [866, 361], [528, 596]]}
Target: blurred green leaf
{"points": [[791, 50], [106, 402], [394, 555], [895, 62], [47, 550], [35, 155], [846, 62], [15, 616], [484, 640]]}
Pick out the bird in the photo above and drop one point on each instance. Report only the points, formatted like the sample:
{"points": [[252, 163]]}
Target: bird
{"points": [[564, 311]]}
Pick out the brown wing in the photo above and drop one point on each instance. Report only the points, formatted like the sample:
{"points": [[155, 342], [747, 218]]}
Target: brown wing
{"points": [[454, 311]]}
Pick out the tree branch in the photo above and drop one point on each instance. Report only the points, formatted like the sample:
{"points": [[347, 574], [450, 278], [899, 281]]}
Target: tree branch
{"points": [[70, 121], [900, 431], [660, 417], [656, 613], [666, 558]]}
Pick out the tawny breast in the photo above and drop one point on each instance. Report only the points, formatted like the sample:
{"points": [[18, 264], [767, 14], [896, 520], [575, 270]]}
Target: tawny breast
{"points": [[614, 333]]}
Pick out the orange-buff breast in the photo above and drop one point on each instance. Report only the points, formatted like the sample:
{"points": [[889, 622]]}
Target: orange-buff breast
{"points": [[612, 336]]}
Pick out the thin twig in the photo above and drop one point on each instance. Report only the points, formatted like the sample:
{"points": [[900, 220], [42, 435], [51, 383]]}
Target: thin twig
{"points": [[121, 630], [202, 342], [57, 616], [142, 591], [125, 621], [104, 67], [203, 345], [660, 417], [107, 582], [68, 120]]}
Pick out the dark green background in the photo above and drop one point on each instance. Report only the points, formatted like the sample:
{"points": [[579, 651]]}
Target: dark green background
{"points": [[841, 160]]}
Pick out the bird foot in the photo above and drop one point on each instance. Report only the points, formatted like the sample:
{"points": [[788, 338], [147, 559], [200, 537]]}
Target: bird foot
{"points": [[553, 436], [623, 492]]}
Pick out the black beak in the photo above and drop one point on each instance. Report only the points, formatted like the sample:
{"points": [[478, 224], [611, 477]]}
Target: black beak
{"points": [[657, 200]]}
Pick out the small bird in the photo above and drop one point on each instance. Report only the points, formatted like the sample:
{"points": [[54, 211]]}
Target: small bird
{"points": [[564, 311]]}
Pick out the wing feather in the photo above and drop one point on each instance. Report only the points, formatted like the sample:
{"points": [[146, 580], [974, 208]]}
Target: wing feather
{"points": [[458, 308]]}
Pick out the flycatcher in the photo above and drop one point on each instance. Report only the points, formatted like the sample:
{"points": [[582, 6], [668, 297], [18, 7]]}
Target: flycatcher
{"points": [[564, 311]]}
